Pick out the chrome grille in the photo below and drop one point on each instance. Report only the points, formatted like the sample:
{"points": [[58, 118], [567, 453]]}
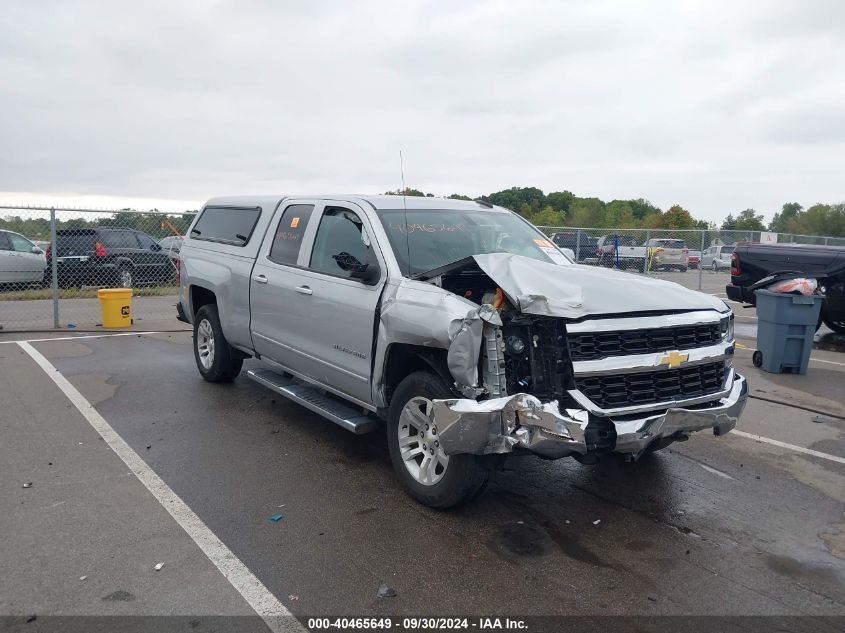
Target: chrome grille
{"points": [[650, 387], [597, 345]]}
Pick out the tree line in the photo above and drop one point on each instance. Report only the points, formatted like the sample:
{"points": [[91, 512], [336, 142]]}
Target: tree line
{"points": [[157, 225], [556, 209], [563, 208]]}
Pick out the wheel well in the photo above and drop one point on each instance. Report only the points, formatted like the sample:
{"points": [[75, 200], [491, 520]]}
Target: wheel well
{"points": [[200, 297], [403, 359]]}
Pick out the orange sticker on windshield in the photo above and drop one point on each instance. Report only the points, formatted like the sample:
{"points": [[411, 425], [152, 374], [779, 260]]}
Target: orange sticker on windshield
{"points": [[294, 223], [543, 243]]}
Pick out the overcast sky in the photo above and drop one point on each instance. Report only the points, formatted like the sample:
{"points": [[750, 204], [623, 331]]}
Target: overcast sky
{"points": [[717, 106]]}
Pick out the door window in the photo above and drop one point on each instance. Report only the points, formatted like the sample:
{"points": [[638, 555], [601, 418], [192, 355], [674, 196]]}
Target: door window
{"points": [[342, 246], [289, 232], [21, 244], [5, 242], [146, 241], [118, 239], [230, 225]]}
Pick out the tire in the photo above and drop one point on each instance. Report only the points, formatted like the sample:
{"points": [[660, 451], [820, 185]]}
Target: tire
{"points": [[215, 359], [757, 358], [683, 269], [715, 266], [125, 277], [836, 326], [453, 479]]}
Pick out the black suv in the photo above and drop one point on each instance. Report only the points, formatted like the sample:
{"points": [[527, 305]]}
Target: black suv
{"points": [[582, 251], [107, 256]]}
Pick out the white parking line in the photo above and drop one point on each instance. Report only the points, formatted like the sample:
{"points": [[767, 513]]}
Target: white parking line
{"points": [[718, 473], [73, 338], [265, 604], [799, 449]]}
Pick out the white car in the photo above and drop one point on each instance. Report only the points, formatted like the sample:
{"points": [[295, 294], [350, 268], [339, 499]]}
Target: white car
{"points": [[717, 257], [21, 261]]}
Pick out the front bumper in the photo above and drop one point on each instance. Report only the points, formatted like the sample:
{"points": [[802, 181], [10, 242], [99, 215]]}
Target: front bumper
{"points": [[522, 421]]}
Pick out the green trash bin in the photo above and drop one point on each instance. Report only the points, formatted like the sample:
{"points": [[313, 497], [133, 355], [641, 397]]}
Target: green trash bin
{"points": [[786, 324]]}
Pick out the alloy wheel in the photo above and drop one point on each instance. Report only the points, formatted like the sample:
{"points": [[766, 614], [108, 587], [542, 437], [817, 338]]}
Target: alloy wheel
{"points": [[419, 443], [205, 344]]}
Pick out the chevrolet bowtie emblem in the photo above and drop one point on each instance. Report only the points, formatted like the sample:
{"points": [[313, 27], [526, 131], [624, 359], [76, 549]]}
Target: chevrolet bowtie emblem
{"points": [[674, 359]]}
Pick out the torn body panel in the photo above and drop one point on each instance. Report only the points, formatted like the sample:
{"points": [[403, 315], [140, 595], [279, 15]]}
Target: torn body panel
{"points": [[416, 313], [574, 291], [465, 348]]}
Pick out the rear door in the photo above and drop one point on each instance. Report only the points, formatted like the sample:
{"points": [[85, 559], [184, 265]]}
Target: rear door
{"points": [[31, 265], [276, 308], [10, 264]]}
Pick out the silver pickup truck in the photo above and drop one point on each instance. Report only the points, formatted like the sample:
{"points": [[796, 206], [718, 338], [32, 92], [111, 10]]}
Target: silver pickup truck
{"points": [[457, 326]]}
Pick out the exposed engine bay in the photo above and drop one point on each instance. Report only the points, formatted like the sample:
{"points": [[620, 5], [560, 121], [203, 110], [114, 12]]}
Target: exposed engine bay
{"points": [[526, 353]]}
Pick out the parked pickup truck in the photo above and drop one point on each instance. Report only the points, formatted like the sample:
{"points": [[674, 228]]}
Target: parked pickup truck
{"points": [[456, 326], [621, 251], [756, 265]]}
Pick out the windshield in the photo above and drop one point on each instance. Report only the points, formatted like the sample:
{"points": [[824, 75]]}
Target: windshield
{"points": [[435, 237]]}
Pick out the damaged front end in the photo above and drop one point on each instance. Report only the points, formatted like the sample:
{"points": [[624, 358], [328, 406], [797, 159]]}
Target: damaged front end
{"points": [[612, 384]]}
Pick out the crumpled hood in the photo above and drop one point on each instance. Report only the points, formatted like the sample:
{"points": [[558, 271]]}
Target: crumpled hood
{"points": [[575, 291]]}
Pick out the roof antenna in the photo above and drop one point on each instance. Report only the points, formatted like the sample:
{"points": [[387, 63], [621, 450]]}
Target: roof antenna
{"points": [[405, 205]]}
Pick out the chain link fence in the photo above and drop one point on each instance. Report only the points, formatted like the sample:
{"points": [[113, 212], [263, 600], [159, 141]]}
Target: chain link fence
{"points": [[53, 261], [670, 253]]}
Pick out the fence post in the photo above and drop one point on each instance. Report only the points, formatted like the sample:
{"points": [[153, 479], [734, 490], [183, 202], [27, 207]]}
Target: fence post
{"points": [[647, 262], [577, 245], [53, 265], [700, 267]]}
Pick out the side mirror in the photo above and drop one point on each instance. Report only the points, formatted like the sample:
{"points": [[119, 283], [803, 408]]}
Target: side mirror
{"points": [[37, 250], [365, 273], [368, 276]]}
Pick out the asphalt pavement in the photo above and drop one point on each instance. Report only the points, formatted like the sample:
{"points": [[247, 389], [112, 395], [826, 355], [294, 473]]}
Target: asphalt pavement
{"points": [[727, 526]]}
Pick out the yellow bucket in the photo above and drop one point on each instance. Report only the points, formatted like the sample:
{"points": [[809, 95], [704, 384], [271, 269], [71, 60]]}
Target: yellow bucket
{"points": [[116, 306]]}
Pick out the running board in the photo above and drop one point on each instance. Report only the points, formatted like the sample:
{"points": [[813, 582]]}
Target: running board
{"points": [[312, 398]]}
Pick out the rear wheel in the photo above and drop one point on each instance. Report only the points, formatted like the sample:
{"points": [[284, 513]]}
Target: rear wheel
{"points": [[429, 475], [757, 358], [837, 325], [216, 361], [125, 277]]}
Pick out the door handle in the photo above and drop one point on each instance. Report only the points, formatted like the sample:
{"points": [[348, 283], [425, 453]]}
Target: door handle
{"points": [[261, 279], [304, 290]]}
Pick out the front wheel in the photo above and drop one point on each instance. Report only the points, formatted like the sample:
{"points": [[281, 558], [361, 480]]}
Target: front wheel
{"points": [[429, 475], [715, 266], [215, 359]]}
